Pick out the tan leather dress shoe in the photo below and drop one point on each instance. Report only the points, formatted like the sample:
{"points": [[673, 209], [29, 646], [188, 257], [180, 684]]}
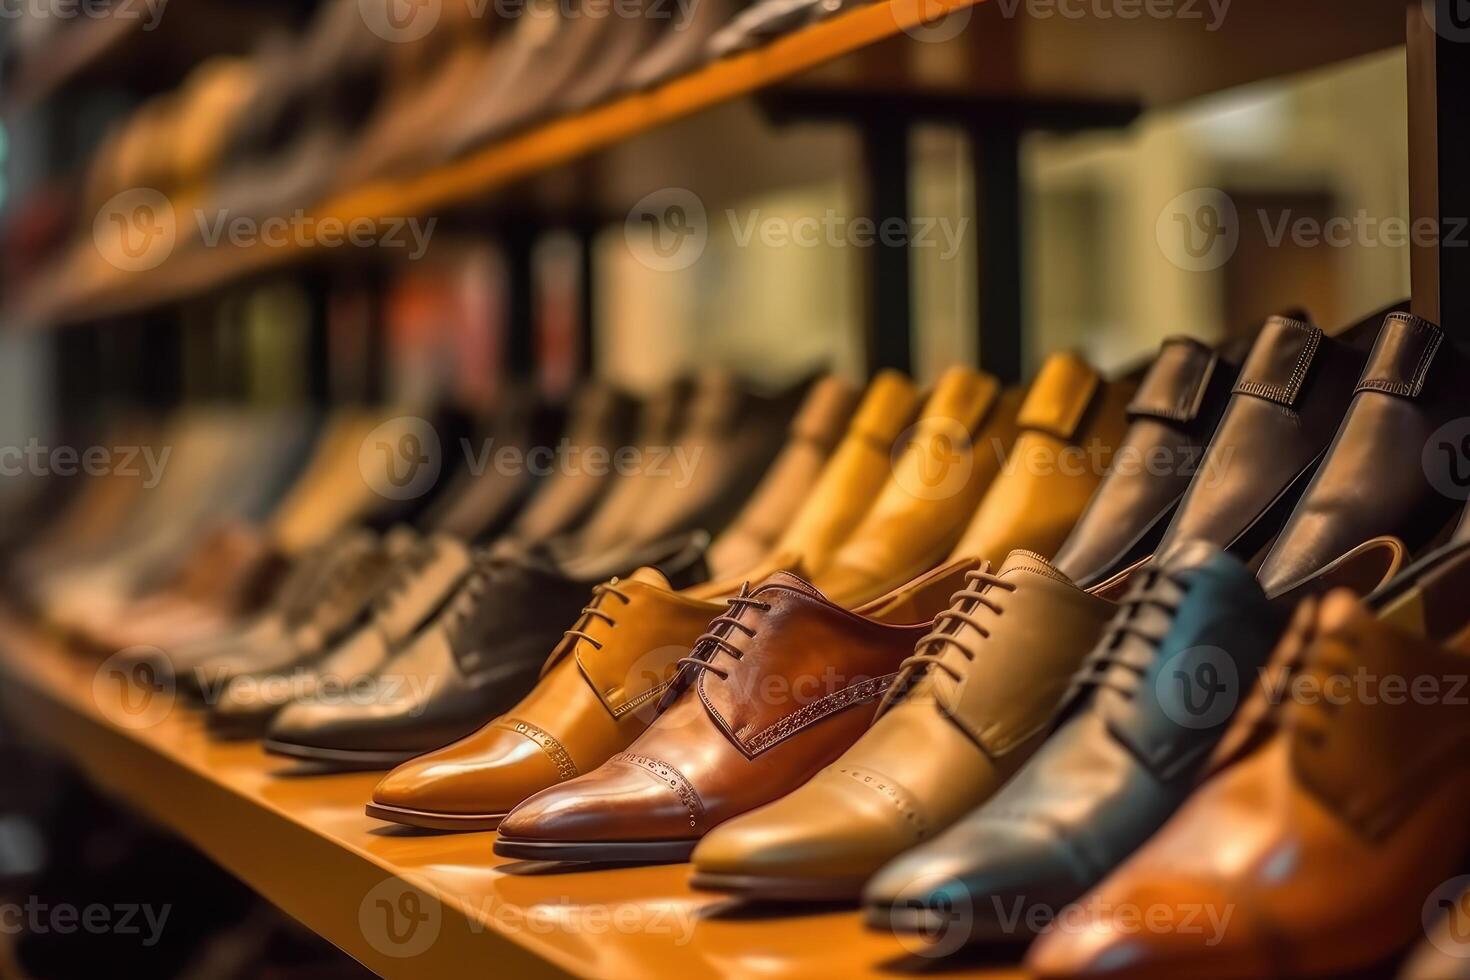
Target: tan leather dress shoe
{"points": [[971, 706], [777, 688], [939, 475], [1332, 819], [1071, 424], [596, 694]]}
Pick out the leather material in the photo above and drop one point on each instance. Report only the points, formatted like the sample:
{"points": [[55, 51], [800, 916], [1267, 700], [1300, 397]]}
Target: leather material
{"points": [[341, 590], [478, 658], [1133, 736], [1071, 424], [601, 417], [1373, 480], [1292, 392], [592, 698], [966, 714], [422, 581], [1342, 817], [783, 683], [951, 456], [1171, 419], [682, 48], [854, 475], [811, 438], [727, 440]]}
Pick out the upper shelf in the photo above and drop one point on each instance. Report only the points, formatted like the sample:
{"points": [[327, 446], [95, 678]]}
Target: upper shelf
{"points": [[142, 45], [993, 50]]}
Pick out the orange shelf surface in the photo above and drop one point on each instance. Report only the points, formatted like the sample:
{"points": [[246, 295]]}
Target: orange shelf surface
{"points": [[407, 903]]}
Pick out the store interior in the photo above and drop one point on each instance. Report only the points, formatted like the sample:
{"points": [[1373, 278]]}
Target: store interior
{"points": [[722, 487]]}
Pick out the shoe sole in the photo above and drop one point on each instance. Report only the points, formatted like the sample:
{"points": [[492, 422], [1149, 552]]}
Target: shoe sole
{"points": [[434, 821], [760, 888], [602, 852], [931, 923], [338, 757]]}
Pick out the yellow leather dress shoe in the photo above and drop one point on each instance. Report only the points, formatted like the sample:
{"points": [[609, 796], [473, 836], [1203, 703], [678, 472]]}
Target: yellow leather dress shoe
{"points": [[972, 705], [938, 477], [1071, 423]]}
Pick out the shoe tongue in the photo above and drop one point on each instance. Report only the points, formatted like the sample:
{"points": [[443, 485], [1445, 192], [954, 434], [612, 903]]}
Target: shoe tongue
{"points": [[1030, 561], [648, 575], [788, 580]]}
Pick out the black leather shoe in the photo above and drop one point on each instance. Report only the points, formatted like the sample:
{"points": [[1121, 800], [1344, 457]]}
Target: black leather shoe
{"points": [[477, 659], [1173, 416], [1381, 476], [1144, 712]]}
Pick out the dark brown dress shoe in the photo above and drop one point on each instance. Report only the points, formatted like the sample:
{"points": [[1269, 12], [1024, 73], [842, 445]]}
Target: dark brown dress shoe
{"points": [[1287, 403], [777, 689], [1173, 416], [1382, 474]]}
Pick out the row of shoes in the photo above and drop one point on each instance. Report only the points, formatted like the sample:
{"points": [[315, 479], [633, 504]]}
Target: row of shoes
{"points": [[382, 89], [1161, 668]]}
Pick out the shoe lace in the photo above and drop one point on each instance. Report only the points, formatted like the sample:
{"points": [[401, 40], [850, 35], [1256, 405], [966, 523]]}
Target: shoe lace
{"points": [[343, 584], [1109, 666], [594, 610], [405, 570], [467, 599], [961, 612], [717, 637]]}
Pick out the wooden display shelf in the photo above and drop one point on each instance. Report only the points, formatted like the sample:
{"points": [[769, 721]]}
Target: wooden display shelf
{"points": [[406, 903]]}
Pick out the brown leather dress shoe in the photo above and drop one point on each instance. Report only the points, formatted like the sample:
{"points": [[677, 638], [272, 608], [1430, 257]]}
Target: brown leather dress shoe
{"points": [[779, 686], [1333, 816]]}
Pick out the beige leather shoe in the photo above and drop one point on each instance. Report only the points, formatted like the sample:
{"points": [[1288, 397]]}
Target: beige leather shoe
{"points": [[1071, 423], [972, 705]]}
